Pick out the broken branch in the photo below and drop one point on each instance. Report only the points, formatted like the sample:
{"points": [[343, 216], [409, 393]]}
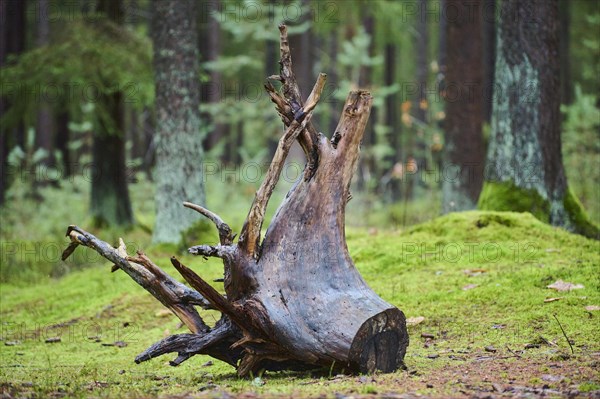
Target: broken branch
{"points": [[225, 234], [171, 293], [250, 235], [308, 138]]}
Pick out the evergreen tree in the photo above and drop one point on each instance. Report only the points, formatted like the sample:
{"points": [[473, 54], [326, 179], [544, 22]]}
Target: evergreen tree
{"points": [[524, 170], [178, 170]]}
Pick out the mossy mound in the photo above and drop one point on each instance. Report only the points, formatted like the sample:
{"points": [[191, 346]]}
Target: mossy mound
{"points": [[477, 278], [506, 196]]}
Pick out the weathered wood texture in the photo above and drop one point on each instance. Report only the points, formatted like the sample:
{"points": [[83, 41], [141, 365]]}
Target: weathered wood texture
{"points": [[294, 300]]}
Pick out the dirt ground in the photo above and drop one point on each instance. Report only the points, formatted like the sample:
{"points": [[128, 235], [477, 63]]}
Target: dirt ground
{"points": [[476, 375]]}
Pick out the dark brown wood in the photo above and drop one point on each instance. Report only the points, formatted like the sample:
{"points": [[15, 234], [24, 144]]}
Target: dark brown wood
{"points": [[465, 150], [293, 300]]}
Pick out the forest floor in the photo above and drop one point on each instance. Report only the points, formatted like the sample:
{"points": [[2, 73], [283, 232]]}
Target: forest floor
{"points": [[482, 321]]}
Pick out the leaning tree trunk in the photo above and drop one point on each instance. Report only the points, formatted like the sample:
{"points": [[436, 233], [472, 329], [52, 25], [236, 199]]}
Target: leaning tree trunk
{"points": [[295, 300], [524, 171]]}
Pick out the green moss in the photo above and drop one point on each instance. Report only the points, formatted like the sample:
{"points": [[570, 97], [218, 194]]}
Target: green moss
{"points": [[506, 196], [420, 270], [589, 387], [579, 217]]}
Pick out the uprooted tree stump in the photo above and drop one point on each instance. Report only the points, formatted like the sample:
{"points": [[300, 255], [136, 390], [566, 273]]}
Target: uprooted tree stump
{"points": [[295, 300]]}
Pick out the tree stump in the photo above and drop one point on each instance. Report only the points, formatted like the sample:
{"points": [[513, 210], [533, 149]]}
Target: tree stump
{"points": [[294, 300]]}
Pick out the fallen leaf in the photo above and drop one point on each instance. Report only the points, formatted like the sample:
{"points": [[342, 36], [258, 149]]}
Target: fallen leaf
{"points": [[163, 313], [469, 287], [592, 308], [552, 299], [552, 378], [560, 285], [413, 321], [474, 272]]}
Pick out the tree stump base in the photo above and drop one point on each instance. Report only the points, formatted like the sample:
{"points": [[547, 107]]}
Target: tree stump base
{"points": [[295, 300]]}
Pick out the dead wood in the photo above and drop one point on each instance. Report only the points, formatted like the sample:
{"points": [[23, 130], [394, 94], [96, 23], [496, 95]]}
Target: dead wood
{"points": [[293, 300]]}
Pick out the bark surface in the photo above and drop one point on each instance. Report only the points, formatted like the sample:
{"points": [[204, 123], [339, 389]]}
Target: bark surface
{"points": [[178, 171], [294, 300], [524, 170], [465, 152]]}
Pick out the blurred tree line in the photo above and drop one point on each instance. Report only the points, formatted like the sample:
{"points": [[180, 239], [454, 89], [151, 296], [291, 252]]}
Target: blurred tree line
{"points": [[79, 91]]}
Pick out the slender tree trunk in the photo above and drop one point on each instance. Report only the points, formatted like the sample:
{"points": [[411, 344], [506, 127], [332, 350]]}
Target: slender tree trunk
{"points": [[416, 146], [489, 56], [464, 152], [179, 144], [16, 28], [442, 45], [12, 41], [566, 80], [110, 196], [110, 202], [422, 60], [391, 121], [270, 65], [135, 135], [212, 50], [61, 142], [45, 120], [367, 165], [148, 127], [4, 142], [524, 170], [302, 45]]}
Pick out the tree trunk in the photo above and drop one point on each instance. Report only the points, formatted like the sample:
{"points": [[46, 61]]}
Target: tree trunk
{"points": [[214, 87], [489, 56], [391, 122], [566, 80], [44, 120], [110, 196], [294, 300], [61, 142], [270, 62], [178, 171], [366, 167], [302, 44], [416, 146], [4, 142], [524, 170], [464, 151], [442, 45], [110, 202], [12, 41], [148, 127]]}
